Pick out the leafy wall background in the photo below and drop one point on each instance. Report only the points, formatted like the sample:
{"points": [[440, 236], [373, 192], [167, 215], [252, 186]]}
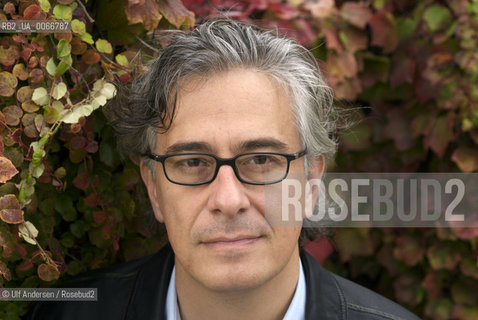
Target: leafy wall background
{"points": [[68, 204]]}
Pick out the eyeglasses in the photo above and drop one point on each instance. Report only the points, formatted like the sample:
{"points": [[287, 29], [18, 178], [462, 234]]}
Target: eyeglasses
{"points": [[258, 168]]}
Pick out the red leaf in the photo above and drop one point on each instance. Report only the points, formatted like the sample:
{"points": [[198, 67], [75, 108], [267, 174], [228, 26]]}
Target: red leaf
{"points": [[398, 129], [78, 142], [5, 272], [342, 64], [82, 181], [466, 158], [7, 170], [13, 216], [48, 272], [384, 31], [33, 62], [320, 249], [176, 13], [91, 57], [332, 39], [145, 12], [24, 266], [99, 216], [16, 135], [403, 69], [92, 200], [126, 78], [441, 134], [92, 147], [406, 289], [433, 283], [34, 12], [357, 14], [2, 146]]}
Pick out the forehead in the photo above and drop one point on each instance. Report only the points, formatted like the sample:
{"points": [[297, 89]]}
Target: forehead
{"points": [[230, 108]]}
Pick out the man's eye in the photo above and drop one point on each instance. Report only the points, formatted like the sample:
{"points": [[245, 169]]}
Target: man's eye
{"points": [[193, 163], [260, 160]]}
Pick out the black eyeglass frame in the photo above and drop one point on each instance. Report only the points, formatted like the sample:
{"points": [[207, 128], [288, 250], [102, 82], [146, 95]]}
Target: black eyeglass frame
{"points": [[226, 161]]}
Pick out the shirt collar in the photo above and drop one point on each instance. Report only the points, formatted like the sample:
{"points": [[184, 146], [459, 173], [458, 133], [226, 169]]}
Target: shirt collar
{"points": [[296, 310]]}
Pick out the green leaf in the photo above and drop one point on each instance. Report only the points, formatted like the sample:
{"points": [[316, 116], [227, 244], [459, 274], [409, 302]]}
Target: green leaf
{"points": [[45, 5], [436, 16], [75, 115], [62, 12], [87, 38], [28, 232], [51, 67], [64, 205], [78, 27], [63, 49], [40, 96], [103, 46], [59, 91], [122, 60], [64, 65]]}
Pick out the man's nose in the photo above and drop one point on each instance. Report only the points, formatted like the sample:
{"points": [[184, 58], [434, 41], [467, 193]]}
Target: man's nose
{"points": [[227, 193]]}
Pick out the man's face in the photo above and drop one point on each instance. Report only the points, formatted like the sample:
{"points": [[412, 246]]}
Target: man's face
{"points": [[219, 231]]}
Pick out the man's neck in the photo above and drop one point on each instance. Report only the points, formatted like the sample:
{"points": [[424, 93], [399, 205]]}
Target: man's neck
{"points": [[268, 301]]}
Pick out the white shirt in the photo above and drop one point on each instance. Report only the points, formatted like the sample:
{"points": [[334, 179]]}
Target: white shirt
{"points": [[296, 310]]}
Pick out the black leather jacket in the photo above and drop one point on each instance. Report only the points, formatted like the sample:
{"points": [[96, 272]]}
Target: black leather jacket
{"points": [[137, 290]]}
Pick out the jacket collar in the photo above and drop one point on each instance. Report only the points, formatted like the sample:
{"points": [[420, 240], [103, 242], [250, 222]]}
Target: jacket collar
{"points": [[323, 301]]}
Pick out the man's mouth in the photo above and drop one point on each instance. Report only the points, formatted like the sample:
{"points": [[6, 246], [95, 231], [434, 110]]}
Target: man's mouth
{"points": [[236, 242]]}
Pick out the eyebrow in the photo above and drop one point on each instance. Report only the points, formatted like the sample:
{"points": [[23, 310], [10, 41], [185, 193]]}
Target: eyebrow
{"points": [[254, 144], [244, 146], [196, 146]]}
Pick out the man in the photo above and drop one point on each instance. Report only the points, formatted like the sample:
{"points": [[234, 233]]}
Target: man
{"points": [[220, 119]]}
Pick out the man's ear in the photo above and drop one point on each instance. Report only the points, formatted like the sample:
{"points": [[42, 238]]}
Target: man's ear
{"points": [[316, 171], [150, 183]]}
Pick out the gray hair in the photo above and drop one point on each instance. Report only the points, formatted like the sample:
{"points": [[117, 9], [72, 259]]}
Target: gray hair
{"points": [[217, 46]]}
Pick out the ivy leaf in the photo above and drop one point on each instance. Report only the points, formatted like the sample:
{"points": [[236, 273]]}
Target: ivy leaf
{"points": [[91, 57], [9, 54], [20, 71], [436, 16], [8, 83], [87, 38], [10, 209], [59, 91], [78, 27], [51, 67], [75, 115], [12, 115], [62, 12], [122, 60], [4, 271], [82, 181], [103, 46], [466, 158], [40, 96], [47, 272], [63, 48], [64, 65], [108, 91], [7, 169], [384, 31], [176, 13], [441, 134], [34, 12], [28, 232], [145, 12], [357, 14], [45, 5]]}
